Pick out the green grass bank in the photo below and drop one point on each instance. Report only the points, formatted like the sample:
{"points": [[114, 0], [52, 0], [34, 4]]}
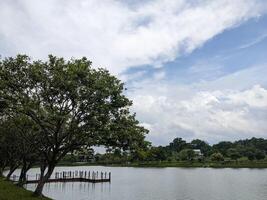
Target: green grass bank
{"points": [[9, 191]]}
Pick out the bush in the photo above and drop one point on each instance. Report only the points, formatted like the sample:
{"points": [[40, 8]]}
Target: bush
{"points": [[217, 157]]}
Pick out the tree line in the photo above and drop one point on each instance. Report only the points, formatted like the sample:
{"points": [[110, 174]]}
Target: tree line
{"points": [[51, 108], [196, 150]]}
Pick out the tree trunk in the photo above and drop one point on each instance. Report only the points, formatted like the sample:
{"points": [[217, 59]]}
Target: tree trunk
{"points": [[25, 168], [2, 168], [1, 171], [43, 179], [23, 172], [42, 170], [11, 170]]}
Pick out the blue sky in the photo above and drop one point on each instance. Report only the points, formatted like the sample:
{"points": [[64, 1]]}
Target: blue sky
{"points": [[235, 49], [194, 69]]}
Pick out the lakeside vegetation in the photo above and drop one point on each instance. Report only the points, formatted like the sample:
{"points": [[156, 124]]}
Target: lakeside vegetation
{"points": [[179, 153], [182, 164], [9, 191]]}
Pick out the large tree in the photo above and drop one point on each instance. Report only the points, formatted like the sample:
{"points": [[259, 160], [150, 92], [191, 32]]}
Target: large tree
{"points": [[73, 105]]}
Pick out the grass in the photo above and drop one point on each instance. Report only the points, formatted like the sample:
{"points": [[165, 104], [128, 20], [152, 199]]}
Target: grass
{"points": [[9, 191]]}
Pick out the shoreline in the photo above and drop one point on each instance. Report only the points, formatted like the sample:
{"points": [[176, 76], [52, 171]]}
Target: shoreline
{"points": [[236, 165]]}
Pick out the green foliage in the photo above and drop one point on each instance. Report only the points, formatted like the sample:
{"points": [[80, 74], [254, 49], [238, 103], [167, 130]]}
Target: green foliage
{"points": [[233, 153], [222, 147], [177, 145], [186, 154], [259, 155], [249, 149], [71, 104], [217, 157], [204, 147]]}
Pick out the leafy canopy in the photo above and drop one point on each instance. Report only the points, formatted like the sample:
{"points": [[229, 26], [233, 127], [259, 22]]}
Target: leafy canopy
{"points": [[71, 103]]}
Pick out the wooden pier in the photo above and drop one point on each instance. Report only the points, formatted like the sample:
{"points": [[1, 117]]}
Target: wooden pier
{"points": [[71, 176]]}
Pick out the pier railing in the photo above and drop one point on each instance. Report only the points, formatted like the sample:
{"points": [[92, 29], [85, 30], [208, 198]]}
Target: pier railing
{"points": [[70, 176]]}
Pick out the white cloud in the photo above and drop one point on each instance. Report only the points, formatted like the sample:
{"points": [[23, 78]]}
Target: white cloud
{"points": [[114, 34], [256, 97], [195, 111], [118, 36]]}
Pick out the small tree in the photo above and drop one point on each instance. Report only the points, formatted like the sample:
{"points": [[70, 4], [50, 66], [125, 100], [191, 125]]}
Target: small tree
{"points": [[217, 157], [72, 104]]}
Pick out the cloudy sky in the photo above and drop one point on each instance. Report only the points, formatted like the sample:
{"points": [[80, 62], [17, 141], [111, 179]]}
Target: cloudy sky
{"points": [[193, 68]]}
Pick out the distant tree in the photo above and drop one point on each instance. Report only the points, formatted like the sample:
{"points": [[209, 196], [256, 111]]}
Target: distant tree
{"points": [[72, 104], [177, 144], [186, 154], [140, 155], [233, 153], [258, 143], [222, 147], [84, 154], [259, 155], [250, 155], [202, 145], [217, 157], [156, 154]]}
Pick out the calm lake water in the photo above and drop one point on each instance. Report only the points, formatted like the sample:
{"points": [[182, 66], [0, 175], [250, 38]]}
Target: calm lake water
{"points": [[163, 184]]}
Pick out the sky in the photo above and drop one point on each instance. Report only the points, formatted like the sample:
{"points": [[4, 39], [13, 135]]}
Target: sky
{"points": [[193, 68]]}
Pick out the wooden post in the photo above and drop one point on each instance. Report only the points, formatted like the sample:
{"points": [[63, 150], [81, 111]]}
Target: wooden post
{"points": [[105, 175], [109, 176], [89, 174]]}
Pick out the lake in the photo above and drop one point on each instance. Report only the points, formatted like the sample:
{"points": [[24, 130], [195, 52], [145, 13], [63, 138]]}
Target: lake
{"points": [[162, 184]]}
